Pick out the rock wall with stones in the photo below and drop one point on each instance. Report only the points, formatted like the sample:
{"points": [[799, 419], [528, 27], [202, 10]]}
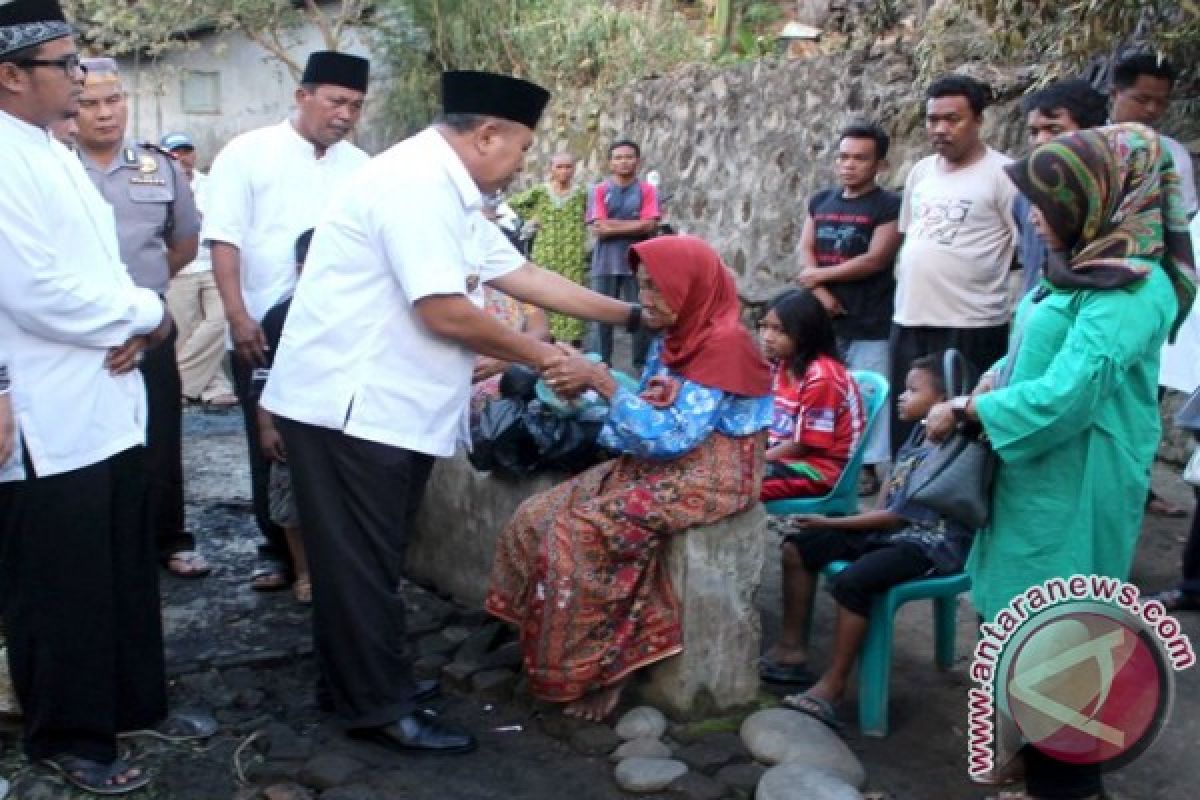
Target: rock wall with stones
{"points": [[740, 148]]}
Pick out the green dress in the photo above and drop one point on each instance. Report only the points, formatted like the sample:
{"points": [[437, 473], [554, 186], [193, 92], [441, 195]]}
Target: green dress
{"points": [[1076, 431], [560, 244]]}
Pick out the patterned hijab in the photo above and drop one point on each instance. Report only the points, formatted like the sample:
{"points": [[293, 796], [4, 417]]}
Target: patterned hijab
{"points": [[1112, 196], [708, 343]]}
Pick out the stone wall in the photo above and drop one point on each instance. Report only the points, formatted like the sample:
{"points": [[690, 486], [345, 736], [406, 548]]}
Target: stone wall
{"points": [[741, 147]]}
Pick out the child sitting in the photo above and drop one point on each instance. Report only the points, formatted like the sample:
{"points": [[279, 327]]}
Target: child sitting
{"points": [[818, 416], [900, 541], [280, 501]]}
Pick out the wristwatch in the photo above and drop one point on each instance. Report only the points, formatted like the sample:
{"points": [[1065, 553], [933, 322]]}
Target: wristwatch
{"points": [[633, 322], [959, 406]]}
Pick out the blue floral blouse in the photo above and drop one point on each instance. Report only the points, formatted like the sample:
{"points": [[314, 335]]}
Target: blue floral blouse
{"points": [[637, 428]]}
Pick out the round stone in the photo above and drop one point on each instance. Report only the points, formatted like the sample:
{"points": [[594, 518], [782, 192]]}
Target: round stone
{"points": [[799, 782], [642, 722], [648, 774], [780, 735], [640, 748]]}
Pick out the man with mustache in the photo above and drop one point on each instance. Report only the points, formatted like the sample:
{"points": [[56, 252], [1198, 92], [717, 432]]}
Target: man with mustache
{"points": [[952, 272], [265, 188]]}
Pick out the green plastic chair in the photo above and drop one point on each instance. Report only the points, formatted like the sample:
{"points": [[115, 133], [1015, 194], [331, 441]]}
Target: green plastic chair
{"points": [[843, 500], [875, 659]]}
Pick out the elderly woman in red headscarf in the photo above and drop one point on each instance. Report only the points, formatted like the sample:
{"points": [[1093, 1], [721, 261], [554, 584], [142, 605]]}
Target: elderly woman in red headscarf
{"points": [[579, 568]]}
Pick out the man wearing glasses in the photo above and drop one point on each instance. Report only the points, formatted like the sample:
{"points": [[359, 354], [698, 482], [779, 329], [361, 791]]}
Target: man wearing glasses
{"points": [[78, 578]]}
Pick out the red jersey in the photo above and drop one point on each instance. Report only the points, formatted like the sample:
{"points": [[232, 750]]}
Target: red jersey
{"points": [[822, 411]]}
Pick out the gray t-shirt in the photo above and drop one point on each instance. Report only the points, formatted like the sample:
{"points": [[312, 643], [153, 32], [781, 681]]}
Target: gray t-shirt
{"points": [[151, 200]]}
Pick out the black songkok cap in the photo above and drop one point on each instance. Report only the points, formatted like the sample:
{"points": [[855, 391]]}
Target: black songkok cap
{"points": [[492, 95], [28, 23], [338, 69]]}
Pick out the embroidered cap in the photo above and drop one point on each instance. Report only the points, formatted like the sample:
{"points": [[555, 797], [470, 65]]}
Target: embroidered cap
{"points": [[28, 23], [492, 95]]}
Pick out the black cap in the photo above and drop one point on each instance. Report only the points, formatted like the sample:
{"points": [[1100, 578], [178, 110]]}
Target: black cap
{"points": [[24, 12], [492, 95], [28, 23], [337, 69]]}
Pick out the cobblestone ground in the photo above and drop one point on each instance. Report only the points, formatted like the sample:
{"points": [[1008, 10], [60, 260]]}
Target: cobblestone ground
{"points": [[247, 657]]}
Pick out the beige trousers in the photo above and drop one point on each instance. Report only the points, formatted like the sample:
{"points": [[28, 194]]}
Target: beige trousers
{"points": [[200, 347]]}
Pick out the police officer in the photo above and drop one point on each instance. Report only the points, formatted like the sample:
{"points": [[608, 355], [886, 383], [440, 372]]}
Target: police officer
{"points": [[158, 232]]}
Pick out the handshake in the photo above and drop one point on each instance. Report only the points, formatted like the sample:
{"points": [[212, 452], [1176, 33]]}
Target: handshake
{"points": [[569, 373]]}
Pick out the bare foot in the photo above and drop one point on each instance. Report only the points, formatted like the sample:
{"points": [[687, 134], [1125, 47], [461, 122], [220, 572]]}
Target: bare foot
{"points": [[596, 706]]}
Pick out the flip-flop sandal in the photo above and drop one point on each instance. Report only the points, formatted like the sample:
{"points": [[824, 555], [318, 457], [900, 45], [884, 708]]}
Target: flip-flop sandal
{"points": [[772, 671], [92, 776], [818, 708], [179, 726], [270, 578], [187, 564]]}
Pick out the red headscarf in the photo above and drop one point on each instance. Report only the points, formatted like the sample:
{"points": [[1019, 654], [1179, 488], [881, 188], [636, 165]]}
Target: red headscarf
{"points": [[708, 343]]}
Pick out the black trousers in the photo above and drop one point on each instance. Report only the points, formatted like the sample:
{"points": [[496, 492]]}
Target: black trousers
{"points": [[1051, 779], [357, 501], [274, 546], [877, 565], [80, 602], [982, 347], [164, 450]]}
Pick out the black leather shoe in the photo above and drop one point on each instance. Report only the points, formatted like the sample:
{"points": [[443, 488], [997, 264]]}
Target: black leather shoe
{"points": [[418, 733], [426, 690]]}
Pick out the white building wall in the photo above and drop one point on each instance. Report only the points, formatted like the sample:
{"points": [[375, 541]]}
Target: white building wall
{"points": [[255, 89]]}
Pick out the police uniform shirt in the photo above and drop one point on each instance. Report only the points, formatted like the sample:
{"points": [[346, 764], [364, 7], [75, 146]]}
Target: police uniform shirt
{"points": [[65, 299], [354, 355], [152, 202], [265, 188]]}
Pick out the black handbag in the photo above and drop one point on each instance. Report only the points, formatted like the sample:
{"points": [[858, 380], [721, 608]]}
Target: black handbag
{"points": [[955, 480]]}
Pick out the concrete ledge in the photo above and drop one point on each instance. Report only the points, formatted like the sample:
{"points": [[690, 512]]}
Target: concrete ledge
{"points": [[716, 571], [461, 517]]}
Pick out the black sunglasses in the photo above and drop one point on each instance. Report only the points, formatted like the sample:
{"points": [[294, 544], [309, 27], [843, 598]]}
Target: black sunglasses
{"points": [[68, 64]]}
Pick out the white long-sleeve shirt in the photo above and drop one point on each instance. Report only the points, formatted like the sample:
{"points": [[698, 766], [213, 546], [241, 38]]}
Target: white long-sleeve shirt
{"points": [[65, 300], [265, 188]]}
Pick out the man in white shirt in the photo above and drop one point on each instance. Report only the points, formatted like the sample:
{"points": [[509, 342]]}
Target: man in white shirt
{"points": [[372, 377], [265, 188], [1141, 92], [78, 570], [195, 304], [952, 272]]}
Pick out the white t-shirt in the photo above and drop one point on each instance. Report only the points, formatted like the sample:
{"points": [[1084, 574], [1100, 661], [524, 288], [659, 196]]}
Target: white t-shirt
{"points": [[1187, 173], [65, 299], [1180, 367], [959, 239], [203, 260], [265, 188], [354, 355]]}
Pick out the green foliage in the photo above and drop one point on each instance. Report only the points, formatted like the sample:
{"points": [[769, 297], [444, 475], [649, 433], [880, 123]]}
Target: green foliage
{"points": [[1064, 35], [154, 27], [561, 43]]}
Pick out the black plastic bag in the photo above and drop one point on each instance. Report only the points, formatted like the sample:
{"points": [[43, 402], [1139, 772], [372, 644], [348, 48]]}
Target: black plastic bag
{"points": [[500, 440], [565, 443]]}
